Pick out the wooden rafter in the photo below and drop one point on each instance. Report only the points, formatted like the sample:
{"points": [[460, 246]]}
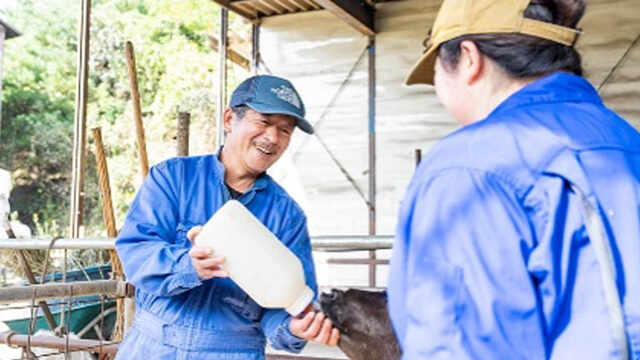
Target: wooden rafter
{"points": [[357, 13], [232, 54], [228, 4]]}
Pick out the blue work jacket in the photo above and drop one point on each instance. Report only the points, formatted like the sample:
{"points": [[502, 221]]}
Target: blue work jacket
{"points": [[492, 259], [179, 315]]}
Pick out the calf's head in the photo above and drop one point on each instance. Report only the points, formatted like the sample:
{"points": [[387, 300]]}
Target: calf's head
{"points": [[363, 321]]}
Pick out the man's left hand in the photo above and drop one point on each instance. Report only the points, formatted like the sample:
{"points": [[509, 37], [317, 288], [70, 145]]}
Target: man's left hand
{"points": [[315, 327]]}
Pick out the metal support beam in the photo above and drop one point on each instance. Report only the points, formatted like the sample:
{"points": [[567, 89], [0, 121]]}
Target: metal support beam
{"points": [[63, 344], [80, 122], [372, 155], [357, 13], [322, 243], [357, 261], [222, 74], [12, 294]]}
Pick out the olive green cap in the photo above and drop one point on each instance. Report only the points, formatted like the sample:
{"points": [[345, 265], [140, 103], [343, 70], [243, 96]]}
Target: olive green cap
{"points": [[463, 17]]}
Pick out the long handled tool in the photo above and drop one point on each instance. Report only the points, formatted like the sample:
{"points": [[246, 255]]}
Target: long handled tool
{"points": [[137, 113], [110, 224]]}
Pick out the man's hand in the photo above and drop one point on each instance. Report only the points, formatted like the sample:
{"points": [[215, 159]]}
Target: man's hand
{"points": [[315, 327], [207, 264]]}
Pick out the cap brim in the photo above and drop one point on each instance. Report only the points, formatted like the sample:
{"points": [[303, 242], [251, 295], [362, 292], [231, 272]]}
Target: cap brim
{"points": [[302, 123], [423, 71]]}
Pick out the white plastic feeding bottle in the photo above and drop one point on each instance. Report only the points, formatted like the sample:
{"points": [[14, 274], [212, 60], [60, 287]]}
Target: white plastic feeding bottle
{"points": [[255, 259]]}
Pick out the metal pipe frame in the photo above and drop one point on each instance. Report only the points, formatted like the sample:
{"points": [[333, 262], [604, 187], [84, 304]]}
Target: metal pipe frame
{"points": [[80, 121], [372, 154], [15, 294], [13, 339], [222, 74], [323, 243]]}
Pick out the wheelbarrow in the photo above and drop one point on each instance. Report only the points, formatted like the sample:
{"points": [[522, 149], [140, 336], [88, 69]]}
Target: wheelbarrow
{"points": [[89, 317]]}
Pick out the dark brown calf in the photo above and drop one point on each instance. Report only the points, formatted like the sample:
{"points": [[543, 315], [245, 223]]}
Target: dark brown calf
{"points": [[363, 321]]}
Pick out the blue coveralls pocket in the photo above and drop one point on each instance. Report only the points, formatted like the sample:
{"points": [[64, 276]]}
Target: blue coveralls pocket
{"points": [[231, 295]]}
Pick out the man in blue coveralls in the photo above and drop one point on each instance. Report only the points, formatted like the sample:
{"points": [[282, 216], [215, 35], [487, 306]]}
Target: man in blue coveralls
{"points": [[186, 306], [519, 235]]}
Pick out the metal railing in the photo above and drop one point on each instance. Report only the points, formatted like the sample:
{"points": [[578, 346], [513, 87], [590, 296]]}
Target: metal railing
{"points": [[321, 243], [119, 288]]}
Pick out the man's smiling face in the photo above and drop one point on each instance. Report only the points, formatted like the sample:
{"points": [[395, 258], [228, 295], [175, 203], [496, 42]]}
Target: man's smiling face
{"points": [[258, 140]]}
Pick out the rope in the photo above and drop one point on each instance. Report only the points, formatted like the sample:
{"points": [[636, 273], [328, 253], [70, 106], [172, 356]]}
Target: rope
{"points": [[46, 259], [622, 59], [322, 116], [8, 339], [316, 125]]}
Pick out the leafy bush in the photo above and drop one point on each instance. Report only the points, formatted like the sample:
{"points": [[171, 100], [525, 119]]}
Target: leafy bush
{"points": [[175, 73]]}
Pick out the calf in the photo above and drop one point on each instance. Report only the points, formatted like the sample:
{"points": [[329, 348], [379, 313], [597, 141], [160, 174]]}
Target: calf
{"points": [[363, 321]]}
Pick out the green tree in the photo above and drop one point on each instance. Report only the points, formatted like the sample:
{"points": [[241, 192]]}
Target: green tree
{"points": [[175, 70]]}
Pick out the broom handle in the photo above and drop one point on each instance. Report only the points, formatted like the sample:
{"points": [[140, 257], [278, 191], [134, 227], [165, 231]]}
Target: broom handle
{"points": [[110, 224], [137, 113]]}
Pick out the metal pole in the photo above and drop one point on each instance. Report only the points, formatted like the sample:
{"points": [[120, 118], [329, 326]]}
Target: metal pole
{"points": [[372, 155], [222, 79], [80, 122], [66, 244], [49, 291], [51, 342], [255, 50], [327, 242]]}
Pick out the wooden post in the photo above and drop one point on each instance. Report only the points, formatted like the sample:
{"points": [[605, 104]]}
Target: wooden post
{"points": [[110, 224], [137, 112], [255, 48], [184, 119]]}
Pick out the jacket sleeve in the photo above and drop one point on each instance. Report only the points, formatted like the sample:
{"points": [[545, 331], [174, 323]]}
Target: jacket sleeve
{"points": [[466, 292], [275, 322], [153, 253]]}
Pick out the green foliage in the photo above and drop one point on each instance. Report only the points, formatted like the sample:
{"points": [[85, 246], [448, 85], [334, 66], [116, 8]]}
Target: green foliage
{"points": [[175, 73]]}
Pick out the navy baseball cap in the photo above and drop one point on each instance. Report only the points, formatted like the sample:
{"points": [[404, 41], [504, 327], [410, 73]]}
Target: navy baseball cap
{"points": [[271, 95]]}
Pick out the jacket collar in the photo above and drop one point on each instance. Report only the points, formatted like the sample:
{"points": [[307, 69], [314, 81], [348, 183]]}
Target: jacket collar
{"points": [[555, 88], [260, 183]]}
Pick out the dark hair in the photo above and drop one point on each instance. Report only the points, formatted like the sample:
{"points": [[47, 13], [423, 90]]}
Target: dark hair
{"points": [[239, 111], [523, 56]]}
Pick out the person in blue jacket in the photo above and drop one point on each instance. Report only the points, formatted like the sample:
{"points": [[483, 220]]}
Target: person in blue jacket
{"points": [[519, 234], [186, 306]]}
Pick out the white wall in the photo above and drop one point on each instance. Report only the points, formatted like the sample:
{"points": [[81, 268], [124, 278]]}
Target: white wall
{"points": [[316, 51]]}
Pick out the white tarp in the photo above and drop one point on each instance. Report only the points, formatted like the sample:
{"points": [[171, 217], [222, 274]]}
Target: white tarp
{"points": [[316, 50]]}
